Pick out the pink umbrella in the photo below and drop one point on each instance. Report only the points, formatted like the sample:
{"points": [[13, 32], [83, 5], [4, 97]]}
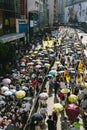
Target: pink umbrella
{"points": [[6, 81], [38, 66]]}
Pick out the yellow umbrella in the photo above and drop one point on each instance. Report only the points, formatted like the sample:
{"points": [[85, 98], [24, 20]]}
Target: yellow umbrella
{"points": [[31, 63], [35, 52], [20, 94], [58, 107], [73, 98], [58, 62], [85, 84], [65, 90], [37, 60], [47, 65]]}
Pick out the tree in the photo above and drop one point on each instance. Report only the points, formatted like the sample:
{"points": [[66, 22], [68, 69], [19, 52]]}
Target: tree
{"points": [[7, 53]]}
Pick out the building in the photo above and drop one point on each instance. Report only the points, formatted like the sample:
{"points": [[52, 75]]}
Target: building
{"points": [[55, 11], [37, 14], [76, 11], [10, 10], [7, 16], [61, 10], [51, 11]]}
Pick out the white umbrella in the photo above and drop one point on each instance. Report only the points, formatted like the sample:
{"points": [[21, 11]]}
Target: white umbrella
{"points": [[2, 97], [4, 88], [13, 91], [24, 88], [43, 96], [2, 103], [8, 93]]}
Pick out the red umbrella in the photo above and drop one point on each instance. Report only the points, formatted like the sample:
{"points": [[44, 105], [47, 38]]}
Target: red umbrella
{"points": [[72, 111], [23, 60]]}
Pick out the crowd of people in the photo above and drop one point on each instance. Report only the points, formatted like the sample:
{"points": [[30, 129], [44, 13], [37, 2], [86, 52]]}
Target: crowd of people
{"points": [[26, 77], [68, 86], [67, 82]]}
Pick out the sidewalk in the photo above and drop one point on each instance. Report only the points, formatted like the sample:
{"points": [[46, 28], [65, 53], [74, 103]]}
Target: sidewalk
{"points": [[51, 100]]}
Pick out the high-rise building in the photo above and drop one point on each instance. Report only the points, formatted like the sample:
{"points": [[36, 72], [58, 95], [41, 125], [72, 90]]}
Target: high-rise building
{"points": [[37, 14], [7, 16], [61, 10], [53, 11]]}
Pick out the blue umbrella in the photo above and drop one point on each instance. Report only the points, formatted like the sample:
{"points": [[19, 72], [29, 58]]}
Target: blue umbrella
{"points": [[53, 72]]}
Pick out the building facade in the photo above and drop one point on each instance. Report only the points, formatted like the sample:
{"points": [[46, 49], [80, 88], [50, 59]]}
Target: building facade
{"points": [[76, 11], [53, 12], [7, 16], [61, 10], [37, 14]]}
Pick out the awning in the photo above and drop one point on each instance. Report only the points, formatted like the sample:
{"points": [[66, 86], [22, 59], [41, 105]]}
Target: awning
{"points": [[11, 37]]}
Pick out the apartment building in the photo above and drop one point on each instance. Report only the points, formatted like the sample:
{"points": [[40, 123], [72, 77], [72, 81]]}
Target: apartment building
{"points": [[37, 14], [7, 16]]}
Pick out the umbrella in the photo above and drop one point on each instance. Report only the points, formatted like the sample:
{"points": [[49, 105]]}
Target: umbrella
{"points": [[23, 64], [49, 76], [57, 107], [47, 65], [39, 63], [38, 66], [51, 50], [73, 98], [13, 91], [29, 99], [37, 117], [2, 103], [85, 84], [30, 64], [2, 97], [53, 72], [24, 88], [4, 88], [20, 94], [23, 60], [43, 96], [8, 93], [85, 91], [65, 90], [72, 111], [58, 62], [6, 81]]}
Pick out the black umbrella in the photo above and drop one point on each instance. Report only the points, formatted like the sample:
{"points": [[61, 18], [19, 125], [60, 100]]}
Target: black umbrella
{"points": [[37, 117]]}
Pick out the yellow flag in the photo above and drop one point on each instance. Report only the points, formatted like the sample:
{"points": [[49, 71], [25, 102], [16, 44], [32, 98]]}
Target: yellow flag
{"points": [[67, 77], [65, 72], [80, 66]]}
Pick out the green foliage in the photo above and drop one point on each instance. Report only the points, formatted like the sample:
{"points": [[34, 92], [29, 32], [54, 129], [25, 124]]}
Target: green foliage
{"points": [[7, 52]]}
